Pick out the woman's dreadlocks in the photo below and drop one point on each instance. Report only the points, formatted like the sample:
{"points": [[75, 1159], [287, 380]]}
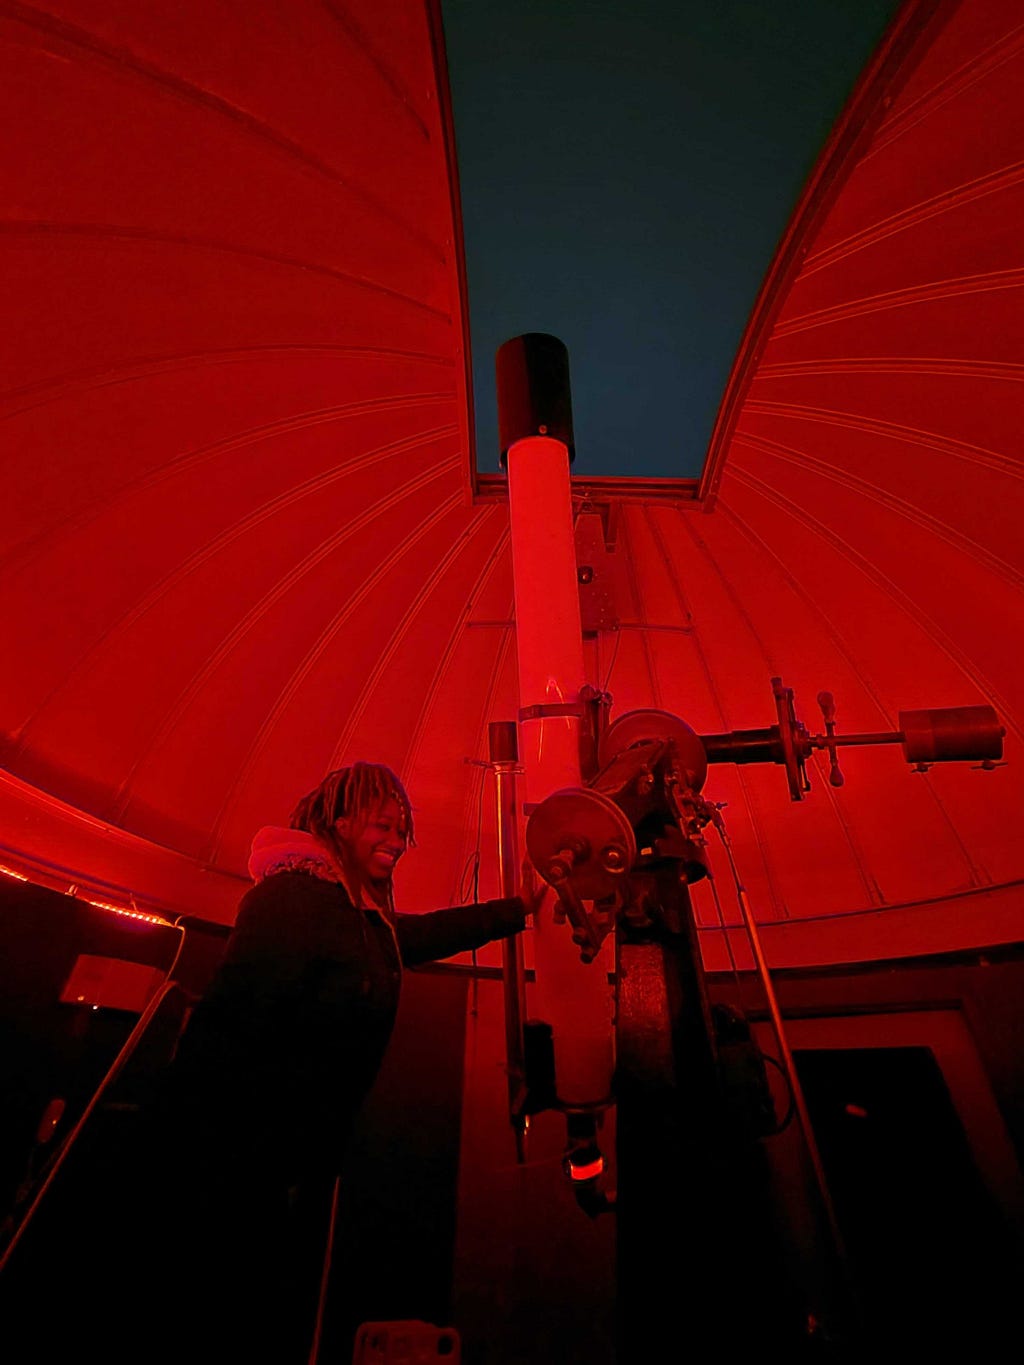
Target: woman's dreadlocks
{"points": [[351, 794]]}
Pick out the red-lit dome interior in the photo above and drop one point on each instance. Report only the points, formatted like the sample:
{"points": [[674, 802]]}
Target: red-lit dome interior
{"points": [[245, 542]]}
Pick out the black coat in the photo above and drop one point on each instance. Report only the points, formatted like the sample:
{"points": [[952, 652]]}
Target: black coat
{"points": [[279, 1055]]}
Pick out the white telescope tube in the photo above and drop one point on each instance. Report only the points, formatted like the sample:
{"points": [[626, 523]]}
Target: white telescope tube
{"points": [[573, 997]]}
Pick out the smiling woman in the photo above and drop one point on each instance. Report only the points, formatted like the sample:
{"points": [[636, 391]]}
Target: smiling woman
{"points": [[279, 1055], [364, 816], [251, 1121]]}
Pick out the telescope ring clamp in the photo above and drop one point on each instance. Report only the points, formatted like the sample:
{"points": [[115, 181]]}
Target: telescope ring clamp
{"points": [[582, 844]]}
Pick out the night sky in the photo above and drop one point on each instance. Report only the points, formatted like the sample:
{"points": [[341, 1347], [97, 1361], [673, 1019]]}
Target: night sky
{"points": [[627, 171]]}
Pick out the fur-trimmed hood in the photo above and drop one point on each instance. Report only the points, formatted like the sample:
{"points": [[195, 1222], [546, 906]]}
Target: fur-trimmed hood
{"points": [[277, 849]]}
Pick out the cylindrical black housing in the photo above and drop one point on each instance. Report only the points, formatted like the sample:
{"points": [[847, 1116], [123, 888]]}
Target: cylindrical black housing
{"points": [[745, 746], [532, 373], [539, 1053], [947, 733], [503, 741]]}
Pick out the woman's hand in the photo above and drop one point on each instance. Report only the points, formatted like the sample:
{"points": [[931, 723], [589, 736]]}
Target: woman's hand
{"points": [[532, 889]]}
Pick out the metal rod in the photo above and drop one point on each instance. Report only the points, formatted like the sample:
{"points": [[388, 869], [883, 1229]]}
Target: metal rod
{"points": [[799, 1102], [504, 762], [892, 737]]}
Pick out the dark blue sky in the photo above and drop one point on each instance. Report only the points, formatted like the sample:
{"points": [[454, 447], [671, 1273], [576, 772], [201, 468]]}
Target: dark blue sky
{"points": [[627, 170]]}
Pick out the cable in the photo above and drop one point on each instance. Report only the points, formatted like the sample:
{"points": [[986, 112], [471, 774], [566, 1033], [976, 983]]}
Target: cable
{"points": [[725, 931], [787, 1118], [615, 655]]}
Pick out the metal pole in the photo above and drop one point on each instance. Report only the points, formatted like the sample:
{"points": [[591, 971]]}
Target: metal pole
{"points": [[504, 755], [799, 1103]]}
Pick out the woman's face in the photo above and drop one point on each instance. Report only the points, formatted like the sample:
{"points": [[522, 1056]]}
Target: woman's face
{"points": [[377, 844]]}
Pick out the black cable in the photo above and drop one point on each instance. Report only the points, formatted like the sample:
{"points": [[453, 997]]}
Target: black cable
{"points": [[787, 1118]]}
